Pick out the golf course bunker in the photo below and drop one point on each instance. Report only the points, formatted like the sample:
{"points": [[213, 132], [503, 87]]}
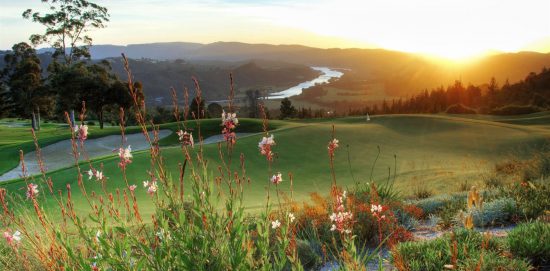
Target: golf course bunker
{"points": [[59, 155]]}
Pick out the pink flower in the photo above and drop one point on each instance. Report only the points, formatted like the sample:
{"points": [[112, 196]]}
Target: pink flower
{"points": [[332, 146], [10, 238], [132, 187], [185, 138], [229, 123], [81, 132], [341, 219], [32, 190], [125, 155], [151, 187], [277, 178], [376, 210], [265, 147]]}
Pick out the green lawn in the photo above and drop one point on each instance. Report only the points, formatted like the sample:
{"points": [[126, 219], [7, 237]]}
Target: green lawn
{"points": [[437, 151]]}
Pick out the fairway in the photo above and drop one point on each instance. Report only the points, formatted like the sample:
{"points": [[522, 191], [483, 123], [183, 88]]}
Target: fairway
{"points": [[436, 151]]}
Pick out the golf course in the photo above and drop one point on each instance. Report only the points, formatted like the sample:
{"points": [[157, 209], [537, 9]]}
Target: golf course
{"points": [[436, 152]]}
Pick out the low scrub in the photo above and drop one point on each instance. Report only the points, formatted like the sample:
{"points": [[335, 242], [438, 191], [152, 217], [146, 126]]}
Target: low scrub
{"points": [[510, 110], [460, 109], [495, 213], [461, 250], [531, 241]]}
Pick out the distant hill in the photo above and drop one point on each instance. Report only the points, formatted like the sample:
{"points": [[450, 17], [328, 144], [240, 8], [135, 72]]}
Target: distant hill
{"points": [[396, 74]]}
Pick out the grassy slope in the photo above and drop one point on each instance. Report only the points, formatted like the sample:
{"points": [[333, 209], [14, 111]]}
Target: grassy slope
{"points": [[434, 150]]}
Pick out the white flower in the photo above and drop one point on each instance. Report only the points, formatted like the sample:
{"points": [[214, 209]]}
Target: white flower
{"points": [[375, 208], [97, 235], [291, 217], [125, 153], [152, 188], [99, 175], [145, 184], [90, 174], [275, 224], [32, 190], [333, 228], [16, 236], [277, 178]]}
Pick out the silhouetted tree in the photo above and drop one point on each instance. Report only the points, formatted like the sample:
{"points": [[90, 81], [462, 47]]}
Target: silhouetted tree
{"points": [[287, 109], [67, 25]]}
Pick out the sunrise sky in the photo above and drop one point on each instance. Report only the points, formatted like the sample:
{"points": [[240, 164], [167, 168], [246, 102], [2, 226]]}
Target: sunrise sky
{"points": [[448, 28]]}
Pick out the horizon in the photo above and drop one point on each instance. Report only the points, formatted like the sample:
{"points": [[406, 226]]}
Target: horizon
{"points": [[463, 29]]}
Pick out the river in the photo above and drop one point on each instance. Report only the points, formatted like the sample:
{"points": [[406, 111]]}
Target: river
{"points": [[326, 75]]}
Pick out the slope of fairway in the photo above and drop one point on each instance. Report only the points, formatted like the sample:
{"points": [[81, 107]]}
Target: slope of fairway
{"points": [[436, 151]]}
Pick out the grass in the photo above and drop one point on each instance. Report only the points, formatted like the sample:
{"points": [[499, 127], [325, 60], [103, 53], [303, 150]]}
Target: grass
{"points": [[439, 150]]}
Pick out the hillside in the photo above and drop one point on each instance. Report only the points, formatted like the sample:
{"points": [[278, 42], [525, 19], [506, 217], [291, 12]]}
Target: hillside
{"points": [[399, 73]]}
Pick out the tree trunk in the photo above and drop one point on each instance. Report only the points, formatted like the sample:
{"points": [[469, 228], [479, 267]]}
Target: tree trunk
{"points": [[71, 116], [33, 121], [38, 118], [100, 119]]}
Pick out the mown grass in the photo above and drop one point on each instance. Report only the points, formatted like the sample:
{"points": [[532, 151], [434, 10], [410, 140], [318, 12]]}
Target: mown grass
{"points": [[437, 151]]}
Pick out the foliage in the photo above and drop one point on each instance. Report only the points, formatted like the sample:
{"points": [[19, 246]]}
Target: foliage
{"points": [[532, 198], [67, 26], [497, 212], [531, 241], [459, 109], [491, 261], [287, 109], [23, 76], [461, 246]]}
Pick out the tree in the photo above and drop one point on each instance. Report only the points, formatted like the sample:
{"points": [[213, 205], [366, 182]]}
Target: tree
{"points": [[6, 103], [24, 79], [287, 109], [214, 110], [67, 25], [196, 108]]}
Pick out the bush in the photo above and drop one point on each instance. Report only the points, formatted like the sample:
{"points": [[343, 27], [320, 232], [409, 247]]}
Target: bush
{"points": [[531, 241], [516, 110], [493, 261], [309, 258], [459, 109], [492, 181], [497, 212], [90, 123], [435, 254], [532, 198]]}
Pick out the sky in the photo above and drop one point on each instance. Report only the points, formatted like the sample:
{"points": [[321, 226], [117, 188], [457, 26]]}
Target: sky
{"points": [[447, 28]]}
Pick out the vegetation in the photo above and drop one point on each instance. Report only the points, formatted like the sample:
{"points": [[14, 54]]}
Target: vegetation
{"points": [[532, 242]]}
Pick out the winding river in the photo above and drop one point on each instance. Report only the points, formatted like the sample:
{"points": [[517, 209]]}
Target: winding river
{"points": [[325, 77]]}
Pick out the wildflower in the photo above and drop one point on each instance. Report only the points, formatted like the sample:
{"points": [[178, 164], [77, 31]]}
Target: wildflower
{"points": [[291, 217], [151, 186], [185, 138], [341, 219], [125, 155], [32, 190], [81, 132], [10, 238], [132, 187], [332, 146], [275, 224], [277, 178], [376, 210], [229, 123], [95, 173], [97, 235], [265, 147]]}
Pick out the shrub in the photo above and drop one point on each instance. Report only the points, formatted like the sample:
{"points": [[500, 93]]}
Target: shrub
{"points": [[531, 241], [492, 181], [532, 198], [516, 110], [492, 261], [497, 212], [460, 109], [309, 258], [435, 254], [90, 123]]}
